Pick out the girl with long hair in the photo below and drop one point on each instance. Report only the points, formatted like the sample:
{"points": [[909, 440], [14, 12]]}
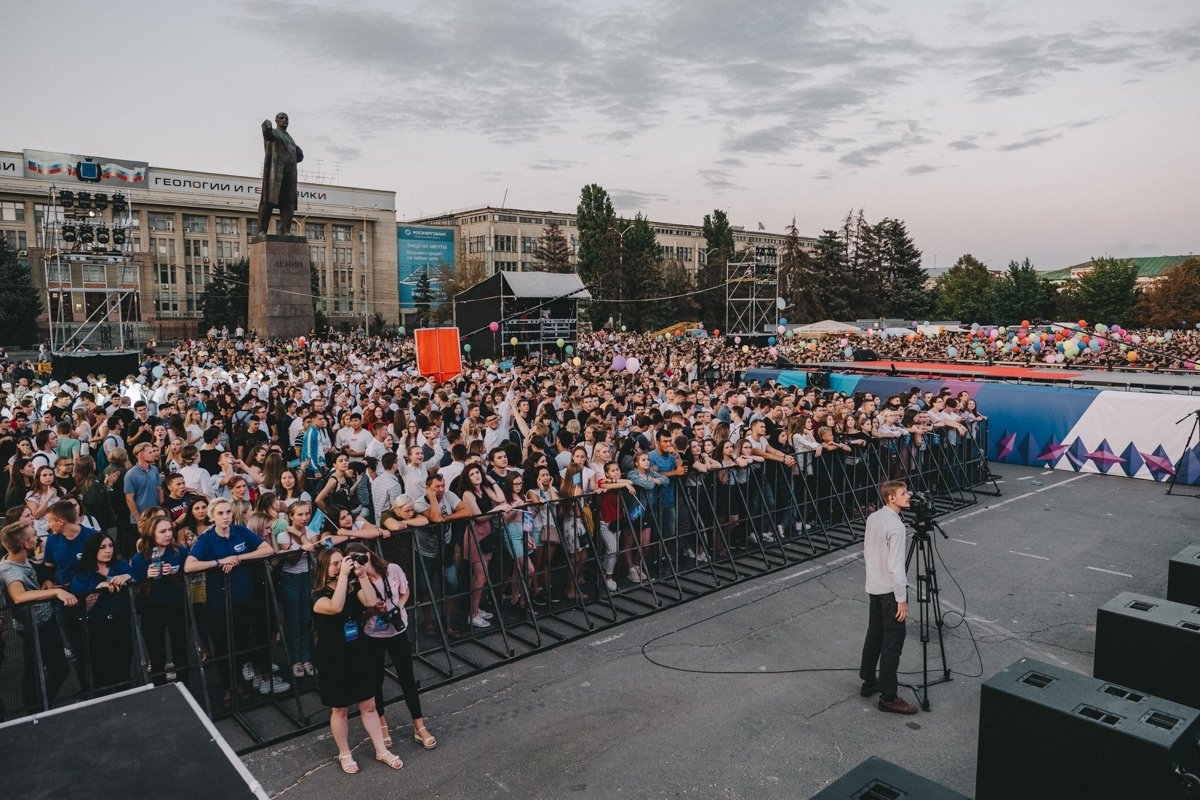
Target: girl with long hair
{"points": [[159, 562], [297, 541]]}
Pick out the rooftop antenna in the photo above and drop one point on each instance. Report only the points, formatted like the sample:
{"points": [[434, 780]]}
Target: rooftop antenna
{"points": [[505, 200]]}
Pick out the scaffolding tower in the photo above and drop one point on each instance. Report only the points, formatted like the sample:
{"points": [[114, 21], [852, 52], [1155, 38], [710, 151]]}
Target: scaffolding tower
{"points": [[90, 275], [751, 286]]}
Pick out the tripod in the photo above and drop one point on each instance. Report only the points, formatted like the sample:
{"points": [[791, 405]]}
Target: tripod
{"points": [[929, 604], [1186, 448]]}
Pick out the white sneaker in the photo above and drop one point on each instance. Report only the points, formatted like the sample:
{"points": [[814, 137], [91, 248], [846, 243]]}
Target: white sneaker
{"points": [[768, 537], [702, 557], [276, 684], [690, 554], [248, 673], [479, 621], [635, 575], [257, 683], [610, 584], [485, 614], [753, 538]]}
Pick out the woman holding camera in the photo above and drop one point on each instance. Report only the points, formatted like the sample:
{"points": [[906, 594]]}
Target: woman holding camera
{"points": [[387, 636], [347, 673]]}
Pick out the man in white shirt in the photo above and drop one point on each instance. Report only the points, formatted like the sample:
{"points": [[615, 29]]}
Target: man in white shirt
{"points": [[887, 590], [380, 442], [353, 439], [386, 487]]}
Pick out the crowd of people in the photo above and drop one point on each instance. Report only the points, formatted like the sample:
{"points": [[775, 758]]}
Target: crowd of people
{"points": [[218, 454]]}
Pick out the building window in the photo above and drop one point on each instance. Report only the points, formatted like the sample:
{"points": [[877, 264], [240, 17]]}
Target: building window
{"points": [[506, 266], [314, 231], [684, 253], [506, 244], [94, 273], [529, 244], [228, 250], [194, 223], [12, 212], [477, 244], [251, 227], [40, 212], [162, 248], [343, 255], [57, 272], [195, 248], [161, 222], [227, 226], [341, 233], [16, 239]]}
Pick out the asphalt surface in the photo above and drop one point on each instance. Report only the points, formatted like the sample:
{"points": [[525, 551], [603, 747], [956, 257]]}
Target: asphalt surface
{"points": [[597, 718]]}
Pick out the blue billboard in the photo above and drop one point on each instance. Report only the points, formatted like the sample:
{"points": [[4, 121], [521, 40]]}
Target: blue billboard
{"points": [[421, 248]]}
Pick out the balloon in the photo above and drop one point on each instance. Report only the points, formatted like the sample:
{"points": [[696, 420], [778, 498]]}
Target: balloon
{"points": [[737, 340], [1136, 339], [487, 362], [700, 325], [812, 346], [493, 326], [771, 340], [467, 347], [1132, 355], [790, 333], [400, 330], [1024, 323], [302, 342], [1083, 323], [716, 332], [632, 365], [623, 329], [843, 341], [1189, 365], [157, 371], [745, 348], [569, 349], [783, 322], [848, 352], [577, 361], [952, 351], [513, 341], [1168, 336], [561, 342], [781, 328], [774, 351], [1050, 358], [618, 363], [978, 350]]}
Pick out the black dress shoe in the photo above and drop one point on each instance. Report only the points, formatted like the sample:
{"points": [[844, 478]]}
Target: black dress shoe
{"points": [[897, 705], [868, 689]]}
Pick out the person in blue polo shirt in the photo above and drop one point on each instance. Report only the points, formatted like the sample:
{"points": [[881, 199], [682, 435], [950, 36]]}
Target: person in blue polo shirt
{"points": [[219, 552], [667, 463], [64, 546]]}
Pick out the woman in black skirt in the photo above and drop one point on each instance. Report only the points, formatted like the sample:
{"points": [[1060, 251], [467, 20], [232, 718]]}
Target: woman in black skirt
{"points": [[347, 673], [387, 635]]}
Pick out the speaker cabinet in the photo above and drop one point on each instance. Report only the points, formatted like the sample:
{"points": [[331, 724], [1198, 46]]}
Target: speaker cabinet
{"points": [[1183, 577], [876, 779], [1047, 733], [1150, 644]]}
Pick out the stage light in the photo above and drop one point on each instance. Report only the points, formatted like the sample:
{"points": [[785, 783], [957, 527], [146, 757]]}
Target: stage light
{"points": [[66, 198], [100, 200], [119, 204], [86, 234], [102, 235], [83, 200], [68, 234], [118, 236]]}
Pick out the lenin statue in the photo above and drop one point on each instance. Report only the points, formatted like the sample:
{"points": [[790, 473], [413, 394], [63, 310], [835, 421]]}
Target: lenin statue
{"points": [[279, 175]]}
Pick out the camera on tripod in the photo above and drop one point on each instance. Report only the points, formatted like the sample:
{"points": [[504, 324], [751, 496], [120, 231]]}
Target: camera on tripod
{"points": [[923, 510]]}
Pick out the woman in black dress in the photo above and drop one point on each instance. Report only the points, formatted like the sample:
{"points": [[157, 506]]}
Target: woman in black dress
{"points": [[348, 673]]}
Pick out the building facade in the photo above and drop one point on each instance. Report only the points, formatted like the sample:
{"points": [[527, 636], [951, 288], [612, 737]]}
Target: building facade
{"points": [[184, 224], [507, 238]]}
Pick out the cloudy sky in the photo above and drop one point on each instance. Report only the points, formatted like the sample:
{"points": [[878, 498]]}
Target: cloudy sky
{"points": [[1056, 130]]}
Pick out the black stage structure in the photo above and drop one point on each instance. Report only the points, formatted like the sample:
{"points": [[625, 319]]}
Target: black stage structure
{"points": [[115, 364], [535, 308]]}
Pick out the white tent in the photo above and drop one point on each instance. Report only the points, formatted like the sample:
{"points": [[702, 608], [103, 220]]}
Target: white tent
{"points": [[828, 327]]}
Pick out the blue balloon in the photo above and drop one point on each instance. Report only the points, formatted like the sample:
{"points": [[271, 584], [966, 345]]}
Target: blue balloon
{"points": [[783, 322], [952, 351], [1169, 335], [771, 340]]}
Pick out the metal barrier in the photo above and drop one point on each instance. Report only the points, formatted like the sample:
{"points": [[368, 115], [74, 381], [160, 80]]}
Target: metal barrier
{"points": [[545, 574]]}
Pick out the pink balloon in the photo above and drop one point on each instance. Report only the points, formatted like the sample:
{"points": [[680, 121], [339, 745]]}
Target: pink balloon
{"points": [[618, 363], [493, 326], [737, 340], [774, 351], [632, 365], [1136, 339]]}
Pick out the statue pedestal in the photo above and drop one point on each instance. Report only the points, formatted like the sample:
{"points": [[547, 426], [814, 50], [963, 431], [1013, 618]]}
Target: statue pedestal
{"points": [[280, 287]]}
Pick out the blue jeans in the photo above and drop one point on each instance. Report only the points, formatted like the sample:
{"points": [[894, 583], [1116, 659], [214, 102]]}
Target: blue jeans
{"points": [[295, 592]]}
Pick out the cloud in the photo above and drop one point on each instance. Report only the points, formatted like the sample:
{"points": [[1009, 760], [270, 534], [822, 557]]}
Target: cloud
{"points": [[1032, 141], [633, 200], [553, 165], [717, 179], [775, 139], [921, 169], [963, 144], [867, 156]]}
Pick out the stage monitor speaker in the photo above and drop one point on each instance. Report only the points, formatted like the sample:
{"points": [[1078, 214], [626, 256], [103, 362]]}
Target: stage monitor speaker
{"points": [[1047, 732], [818, 379], [1150, 644], [865, 354], [146, 742], [876, 779], [1183, 577]]}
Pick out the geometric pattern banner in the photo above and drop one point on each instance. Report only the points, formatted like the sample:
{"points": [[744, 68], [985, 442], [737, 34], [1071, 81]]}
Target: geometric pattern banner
{"points": [[1081, 430]]}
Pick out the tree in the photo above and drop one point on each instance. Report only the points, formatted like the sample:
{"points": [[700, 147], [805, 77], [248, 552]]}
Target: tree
{"points": [[553, 251], [215, 302], [452, 279], [20, 303], [1173, 299], [680, 285], [1109, 293], [864, 268], [376, 324], [964, 292], [423, 298], [903, 277], [798, 279], [833, 275], [599, 249], [1022, 293], [718, 241], [640, 275], [320, 319]]}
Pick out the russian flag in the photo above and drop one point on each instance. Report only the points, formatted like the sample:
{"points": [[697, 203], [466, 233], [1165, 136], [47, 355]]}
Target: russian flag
{"points": [[123, 173]]}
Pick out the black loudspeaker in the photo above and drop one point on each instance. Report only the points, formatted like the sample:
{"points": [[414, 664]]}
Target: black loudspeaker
{"points": [[865, 354], [1150, 644], [818, 379], [1047, 733], [876, 779], [1183, 577]]}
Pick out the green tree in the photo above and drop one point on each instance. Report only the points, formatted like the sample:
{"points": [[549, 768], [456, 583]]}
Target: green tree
{"points": [[964, 292], [680, 285], [640, 275], [452, 279], [599, 249], [423, 298], [553, 251], [1066, 301], [20, 303], [376, 324], [1109, 293], [798, 284], [833, 275], [239, 292], [320, 319], [1174, 298], [903, 278], [1022, 293], [216, 305], [718, 242]]}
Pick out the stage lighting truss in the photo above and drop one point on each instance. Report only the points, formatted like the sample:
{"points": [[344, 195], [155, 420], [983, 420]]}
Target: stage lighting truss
{"points": [[100, 201], [66, 198], [118, 237], [119, 205], [69, 234], [102, 234], [86, 234], [83, 200]]}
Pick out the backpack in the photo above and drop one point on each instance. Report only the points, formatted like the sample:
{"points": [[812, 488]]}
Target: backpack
{"points": [[102, 456]]}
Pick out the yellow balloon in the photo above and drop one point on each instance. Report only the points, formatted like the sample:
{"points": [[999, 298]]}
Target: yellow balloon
{"points": [[513, 341], [577, 361], [745, 348]]}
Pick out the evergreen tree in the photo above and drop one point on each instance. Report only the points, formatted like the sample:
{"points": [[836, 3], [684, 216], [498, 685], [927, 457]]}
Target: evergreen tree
{"points": [[599, 249], [833, 275], [903, 277], [423, 298], [239, 293], [1022, 293], [798, 280], [1174, 298], [553, 251], [965, 290], [215, 302], [320, 319], [678, 281], [452, 279], [641, 276], [20, 303], [718, 241], [1109, 293]]}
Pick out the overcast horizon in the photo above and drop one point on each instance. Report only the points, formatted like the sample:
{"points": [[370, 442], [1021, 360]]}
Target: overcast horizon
{"points": [[1057, 131]]}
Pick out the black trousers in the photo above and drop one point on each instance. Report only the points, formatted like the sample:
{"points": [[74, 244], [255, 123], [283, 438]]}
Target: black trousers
{"points": [[398, 648], [883, 645], [160, 621], [54, 667]]}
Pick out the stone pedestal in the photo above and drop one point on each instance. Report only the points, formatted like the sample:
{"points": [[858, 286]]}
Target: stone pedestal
{"points": [[281, 303]]}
